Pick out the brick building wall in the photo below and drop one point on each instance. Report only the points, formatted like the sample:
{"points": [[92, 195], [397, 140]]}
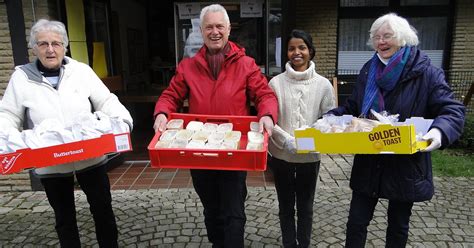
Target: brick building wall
{"points": [[319, 18], [20, 181], [462, 53], [32, 13], [462, 50], [6, 54]]}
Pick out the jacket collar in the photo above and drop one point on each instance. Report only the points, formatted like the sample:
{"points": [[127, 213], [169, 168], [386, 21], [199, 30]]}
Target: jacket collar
{"points": [[33, 74], [235, 52], [417, 63]]}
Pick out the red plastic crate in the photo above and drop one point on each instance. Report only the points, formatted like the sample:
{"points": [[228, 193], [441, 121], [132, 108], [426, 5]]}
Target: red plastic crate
{"points": [[65, 153], [211, 159]]}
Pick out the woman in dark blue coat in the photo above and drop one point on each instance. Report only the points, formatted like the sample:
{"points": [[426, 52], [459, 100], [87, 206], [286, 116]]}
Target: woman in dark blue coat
{"points": [[399, 79]]}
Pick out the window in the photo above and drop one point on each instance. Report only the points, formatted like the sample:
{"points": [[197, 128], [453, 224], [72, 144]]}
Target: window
{"points": [[258, 32], [432, 36], [274, 52], [245, 31], [353, 48], [97, 35], [354, 27]]}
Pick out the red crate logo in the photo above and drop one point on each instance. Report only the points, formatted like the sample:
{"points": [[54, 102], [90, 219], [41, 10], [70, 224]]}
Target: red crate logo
{"points": [[8, 161]]}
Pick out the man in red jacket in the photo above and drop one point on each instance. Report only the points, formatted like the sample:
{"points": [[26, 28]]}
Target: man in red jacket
{"points": [[219, 80]]}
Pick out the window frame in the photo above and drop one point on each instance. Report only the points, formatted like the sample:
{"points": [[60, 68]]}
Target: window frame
{"points": [[410, 11]]}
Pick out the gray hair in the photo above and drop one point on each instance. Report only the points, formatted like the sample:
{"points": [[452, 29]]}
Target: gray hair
{"points": [[404, 33], [43, 25], [214, 8]]}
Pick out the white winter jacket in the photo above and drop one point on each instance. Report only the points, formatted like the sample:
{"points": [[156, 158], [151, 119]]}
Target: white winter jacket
{"points": [[30, 98]]}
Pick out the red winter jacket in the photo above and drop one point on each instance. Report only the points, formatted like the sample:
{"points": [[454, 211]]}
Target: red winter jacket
{"points": [[239, 82]]}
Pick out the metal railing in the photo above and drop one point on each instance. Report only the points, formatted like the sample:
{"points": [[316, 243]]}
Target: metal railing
{"points": [[461, 82]]}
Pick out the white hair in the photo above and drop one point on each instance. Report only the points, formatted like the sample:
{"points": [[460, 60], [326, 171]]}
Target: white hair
{"points": [[43, 25], [403, 32], [214, 8]]}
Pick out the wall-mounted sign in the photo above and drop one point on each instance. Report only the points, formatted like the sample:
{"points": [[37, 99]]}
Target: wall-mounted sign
{"points": [[251, 9], [189, 10]]}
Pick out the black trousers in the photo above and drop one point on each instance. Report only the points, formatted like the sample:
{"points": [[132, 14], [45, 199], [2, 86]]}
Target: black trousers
{"points": [[96, 186], [361, 213], [295, 183], [222, 194]]}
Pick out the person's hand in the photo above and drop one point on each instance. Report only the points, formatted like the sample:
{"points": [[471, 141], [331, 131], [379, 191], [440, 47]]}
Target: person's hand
{"points": [[434, 136], [160, 123], [267, 123], [290, 145]]}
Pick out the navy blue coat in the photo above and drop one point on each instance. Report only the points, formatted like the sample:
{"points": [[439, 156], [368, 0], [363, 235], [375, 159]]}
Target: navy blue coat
{"points": [[421, 91]]}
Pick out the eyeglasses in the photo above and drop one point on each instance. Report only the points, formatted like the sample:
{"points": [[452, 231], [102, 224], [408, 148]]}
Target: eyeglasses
{"points": [[385, 37], [45, 44]]}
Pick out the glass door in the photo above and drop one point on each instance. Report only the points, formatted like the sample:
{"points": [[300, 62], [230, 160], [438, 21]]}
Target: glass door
{"points": [[255, 25], [274, 38]]}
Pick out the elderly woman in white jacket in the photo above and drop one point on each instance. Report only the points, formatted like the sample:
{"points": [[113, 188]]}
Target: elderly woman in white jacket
{"points": [[56, 86], [303, 97]]}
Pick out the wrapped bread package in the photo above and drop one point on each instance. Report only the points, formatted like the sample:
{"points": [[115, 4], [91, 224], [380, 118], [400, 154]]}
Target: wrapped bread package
{"points": [[184, 134], [200, 135], [255, 137], [177, 143], [230, 145], [210, 127], [254, 146], [194, 125], [233, 136], [217, 137], [196, 144], [168, 135], [175, 124], [361, 125], [225, 127], [254, 126], [213, 145], [163, 143]]}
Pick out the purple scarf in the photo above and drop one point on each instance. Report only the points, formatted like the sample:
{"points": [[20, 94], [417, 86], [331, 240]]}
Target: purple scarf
{"points": [[384, 78]]}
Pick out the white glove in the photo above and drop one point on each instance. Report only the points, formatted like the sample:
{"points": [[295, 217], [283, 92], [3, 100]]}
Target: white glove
{"points": [[160, 123], [434, 136], [290, 145], [267, 123]]}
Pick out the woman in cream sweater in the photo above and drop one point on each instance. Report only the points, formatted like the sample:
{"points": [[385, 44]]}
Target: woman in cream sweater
{"points": [[303, 97]]}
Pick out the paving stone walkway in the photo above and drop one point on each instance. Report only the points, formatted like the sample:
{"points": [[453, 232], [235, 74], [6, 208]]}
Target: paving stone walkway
{"points": [[173, 217]]}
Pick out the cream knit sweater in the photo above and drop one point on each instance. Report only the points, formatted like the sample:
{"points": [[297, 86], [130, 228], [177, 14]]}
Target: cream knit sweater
{"points": [[303, 97]]}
